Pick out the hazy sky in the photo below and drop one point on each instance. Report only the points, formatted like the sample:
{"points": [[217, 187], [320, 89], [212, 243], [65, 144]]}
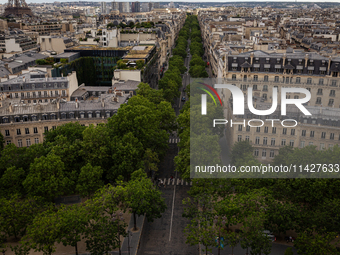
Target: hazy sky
{"points": [[187, 1]]}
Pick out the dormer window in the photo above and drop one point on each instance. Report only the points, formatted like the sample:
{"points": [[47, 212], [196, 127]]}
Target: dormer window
{"points": [[44, 85], [33, 86], [278, 60]]}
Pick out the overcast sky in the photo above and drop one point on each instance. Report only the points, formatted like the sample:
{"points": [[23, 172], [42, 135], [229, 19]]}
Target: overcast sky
{"points": [[187, 1]]}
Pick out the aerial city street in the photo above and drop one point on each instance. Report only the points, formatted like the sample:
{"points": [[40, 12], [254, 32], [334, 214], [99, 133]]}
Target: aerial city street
{"points": [[169, 128]]}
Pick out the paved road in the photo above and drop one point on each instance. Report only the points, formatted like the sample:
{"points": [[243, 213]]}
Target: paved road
{"points": [[165, 235]]}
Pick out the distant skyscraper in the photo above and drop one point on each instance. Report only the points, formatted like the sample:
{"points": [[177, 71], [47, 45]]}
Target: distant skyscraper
{"points": [[103, 7], [172, 5], [124, 6], [150, 6], [115, 6], [156, 5], [135, 7]]}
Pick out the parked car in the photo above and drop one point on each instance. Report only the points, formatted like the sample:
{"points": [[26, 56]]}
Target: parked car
{"points": [[289, 239], [183, 99], [269, 235]]}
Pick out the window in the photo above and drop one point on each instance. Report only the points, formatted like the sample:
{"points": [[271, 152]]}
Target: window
{"points": [[27, 131], [264, 96], [271, 154], [303, 133], [264, 140], [71, 115], [322, 146], [239, 138], [272, 142], [332, 93], [318, 100], [266, 129], [274, 130], [89, 115], [8, 142], [245, 78], [319, 92], [247, 138], [63, 115], [331, 136], [258, 129], [283, 142], [36, 140], [265, 88], [266, 78], [334, 83], [257, 140], [28, 142], [331, 102], [56, 93], [302, 144], [247, 128], [54, 127], [298, 79], [254, 87], [330, 146], [6, 132], [97, 114], [264, 153], [45, 129], [256, 78], [320, 81], [256, 152], [284, 131], [310, 143], [309, 80], [291, 143], [233, 77], [35, 130], [292, 132], [239, 127], [18, 131], [19, 143], [323, 135], [311, 133], [276, 79]]}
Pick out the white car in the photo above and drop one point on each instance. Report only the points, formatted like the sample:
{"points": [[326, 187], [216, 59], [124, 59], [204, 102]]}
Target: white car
{"points": [[269, 235]]}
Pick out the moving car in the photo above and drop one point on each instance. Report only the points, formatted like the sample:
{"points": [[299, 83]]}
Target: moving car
{"points": [[183, 99]]}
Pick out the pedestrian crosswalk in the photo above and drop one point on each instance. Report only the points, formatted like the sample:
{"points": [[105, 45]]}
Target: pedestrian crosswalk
{"points": [[176, 181], [174, 140]]}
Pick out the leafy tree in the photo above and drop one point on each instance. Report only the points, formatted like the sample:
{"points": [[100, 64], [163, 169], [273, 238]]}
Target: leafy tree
{"points": [[64, 60], [2, 142], [153, 95], [72, 131], [43, 233], [142, 197], [12, 156], [316, 244], [46, 178], [197, 60], [140, 64], [150, 161], [90, 179], [198, 71], [72, 224], [239, 150], [16, 214], [289, 251], [121, 64], [11, 181]]}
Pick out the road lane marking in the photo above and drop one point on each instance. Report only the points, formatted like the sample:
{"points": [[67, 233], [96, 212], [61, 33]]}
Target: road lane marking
{"points": [[172, 210]]}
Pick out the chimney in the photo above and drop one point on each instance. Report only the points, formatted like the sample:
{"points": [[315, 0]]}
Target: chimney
{"points": [[10, 107], [306, 60], [24, 78], [103, 104], [58, 103], [77, 103]]}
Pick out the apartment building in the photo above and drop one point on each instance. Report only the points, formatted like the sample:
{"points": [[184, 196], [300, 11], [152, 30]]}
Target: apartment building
{"points": [[36, 87], [25, 124]]}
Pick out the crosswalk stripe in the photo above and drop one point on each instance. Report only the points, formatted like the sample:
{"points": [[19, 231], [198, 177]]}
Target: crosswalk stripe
{"points": [[186, 183], [190, 183], [169, 140], [164, 181], [169, 182], [182, 182], [177, 181]]}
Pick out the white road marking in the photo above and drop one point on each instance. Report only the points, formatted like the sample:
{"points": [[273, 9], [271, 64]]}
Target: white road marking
{"points": [[172, 210]]}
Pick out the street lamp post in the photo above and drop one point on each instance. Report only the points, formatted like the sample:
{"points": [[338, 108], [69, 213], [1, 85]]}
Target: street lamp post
{"points": [[118, 217], [220, 225]]}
